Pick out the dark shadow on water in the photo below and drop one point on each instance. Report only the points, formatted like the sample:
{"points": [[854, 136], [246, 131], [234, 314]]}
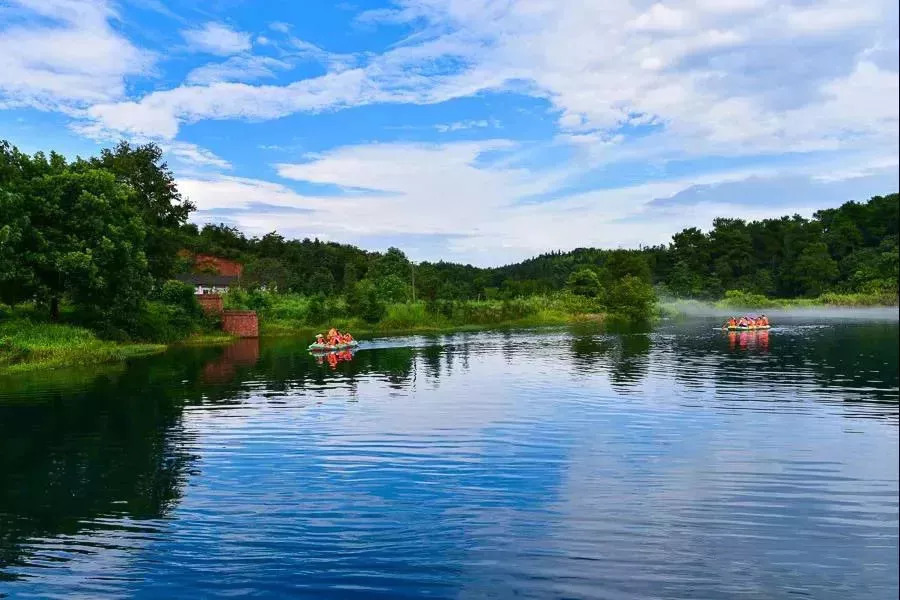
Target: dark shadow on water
{"points": [[68, 459], [624, 358]]}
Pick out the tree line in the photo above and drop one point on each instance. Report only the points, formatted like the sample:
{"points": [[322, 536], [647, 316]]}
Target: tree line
{"points": [[852, 248], [102, 236]]}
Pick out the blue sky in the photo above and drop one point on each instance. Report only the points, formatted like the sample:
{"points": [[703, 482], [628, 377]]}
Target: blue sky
{"points": [[481, 131]]}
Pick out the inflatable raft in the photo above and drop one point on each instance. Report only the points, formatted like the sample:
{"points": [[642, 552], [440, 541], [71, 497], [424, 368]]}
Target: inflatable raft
{"points": [[330, 348], [750, 328]]}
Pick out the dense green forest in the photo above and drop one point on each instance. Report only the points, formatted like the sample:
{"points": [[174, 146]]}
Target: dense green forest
{"points": [[848, 249], [95, 242]]}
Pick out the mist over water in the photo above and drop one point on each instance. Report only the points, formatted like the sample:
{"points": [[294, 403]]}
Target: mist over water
{"points": [[682, 462], [697, 308]]}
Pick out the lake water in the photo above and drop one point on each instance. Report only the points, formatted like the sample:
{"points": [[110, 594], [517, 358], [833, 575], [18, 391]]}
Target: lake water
{"points": [[681, 463]]}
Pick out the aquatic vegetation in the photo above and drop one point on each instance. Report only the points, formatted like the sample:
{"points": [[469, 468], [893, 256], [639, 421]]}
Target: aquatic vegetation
{"points": [[26, 345]]}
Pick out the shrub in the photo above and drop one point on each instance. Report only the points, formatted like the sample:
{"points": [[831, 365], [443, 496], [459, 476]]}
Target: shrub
{"points": [[632, 298], [287, 307], [178, 293], [406, 316], [160, 322], [316, 311], [237, 298], [584, 282], [365, 302], [742, 299], [392, 289], [258, 300]]}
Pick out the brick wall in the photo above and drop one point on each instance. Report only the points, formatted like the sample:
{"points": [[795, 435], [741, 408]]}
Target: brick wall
{"points": [[242, 323], [211, 303]]}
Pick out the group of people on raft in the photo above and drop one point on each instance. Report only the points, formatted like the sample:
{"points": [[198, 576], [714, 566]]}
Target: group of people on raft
{"points": [[746, 321], [334, 338]]}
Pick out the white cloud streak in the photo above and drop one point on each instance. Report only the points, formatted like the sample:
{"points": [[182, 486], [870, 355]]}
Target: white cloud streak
{"points": [[63, 54], [474, 212], [217, 38], [237, 68]]}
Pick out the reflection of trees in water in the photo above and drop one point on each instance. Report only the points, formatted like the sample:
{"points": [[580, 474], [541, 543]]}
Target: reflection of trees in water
{"points": [[111, 445], [286, 365], [625, 357], [847, 362], [431, 357], [68, 459]]}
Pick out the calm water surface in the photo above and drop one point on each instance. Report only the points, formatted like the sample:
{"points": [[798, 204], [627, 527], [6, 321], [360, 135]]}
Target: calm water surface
{"points": [[682, 463]]}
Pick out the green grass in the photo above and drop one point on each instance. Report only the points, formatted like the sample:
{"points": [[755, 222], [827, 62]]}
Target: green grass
{"points": [[26, 345], [206, 339], [287, 315], [737, 300]]}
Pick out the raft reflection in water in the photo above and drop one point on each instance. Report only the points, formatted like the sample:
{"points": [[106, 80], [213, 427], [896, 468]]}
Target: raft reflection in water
{"points": [[333, 358], [746, 340]]}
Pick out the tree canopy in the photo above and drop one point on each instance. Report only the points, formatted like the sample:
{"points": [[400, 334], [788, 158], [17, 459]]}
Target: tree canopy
{"points": [[69, 230], [104, 232]]}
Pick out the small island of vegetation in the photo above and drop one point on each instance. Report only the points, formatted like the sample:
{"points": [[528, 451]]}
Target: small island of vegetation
{"points": [[90, 252]]}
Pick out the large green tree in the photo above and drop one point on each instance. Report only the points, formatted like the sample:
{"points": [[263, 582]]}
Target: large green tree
{"points": [[155, 197], [70, 232]]}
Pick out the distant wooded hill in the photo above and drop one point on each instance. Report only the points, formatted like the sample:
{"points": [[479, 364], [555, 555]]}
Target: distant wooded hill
{"points": [[853, 248]]}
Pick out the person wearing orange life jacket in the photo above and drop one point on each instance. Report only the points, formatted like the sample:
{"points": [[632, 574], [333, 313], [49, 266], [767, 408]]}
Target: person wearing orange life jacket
{"points": [[765, 320], [732, 322]]}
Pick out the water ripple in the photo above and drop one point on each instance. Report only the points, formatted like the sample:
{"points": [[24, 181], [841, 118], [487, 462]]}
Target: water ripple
{"points": [[556, 464]]}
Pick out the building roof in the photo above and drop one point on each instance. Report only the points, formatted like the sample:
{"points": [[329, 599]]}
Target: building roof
{"points": [[207, 279]]}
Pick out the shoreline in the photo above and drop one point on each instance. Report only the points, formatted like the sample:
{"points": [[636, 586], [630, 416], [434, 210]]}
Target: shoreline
{"points": [[697, 308], [42, 346], [28, 347], [285, 328], [24, 352]]}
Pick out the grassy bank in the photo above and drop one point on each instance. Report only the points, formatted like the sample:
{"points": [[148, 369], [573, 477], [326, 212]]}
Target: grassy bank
{"points": [[737, 301], [28, 342], [26, 345], [293, 314]]}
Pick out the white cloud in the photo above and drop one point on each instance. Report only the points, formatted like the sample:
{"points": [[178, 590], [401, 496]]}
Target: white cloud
{"points": [[296, 49], [660, 18], [476, 213], [60, 54], [695, 79], [470, 124], [195, 156], [237, 68], [740, 77], [217, 38], [226, 192]]}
